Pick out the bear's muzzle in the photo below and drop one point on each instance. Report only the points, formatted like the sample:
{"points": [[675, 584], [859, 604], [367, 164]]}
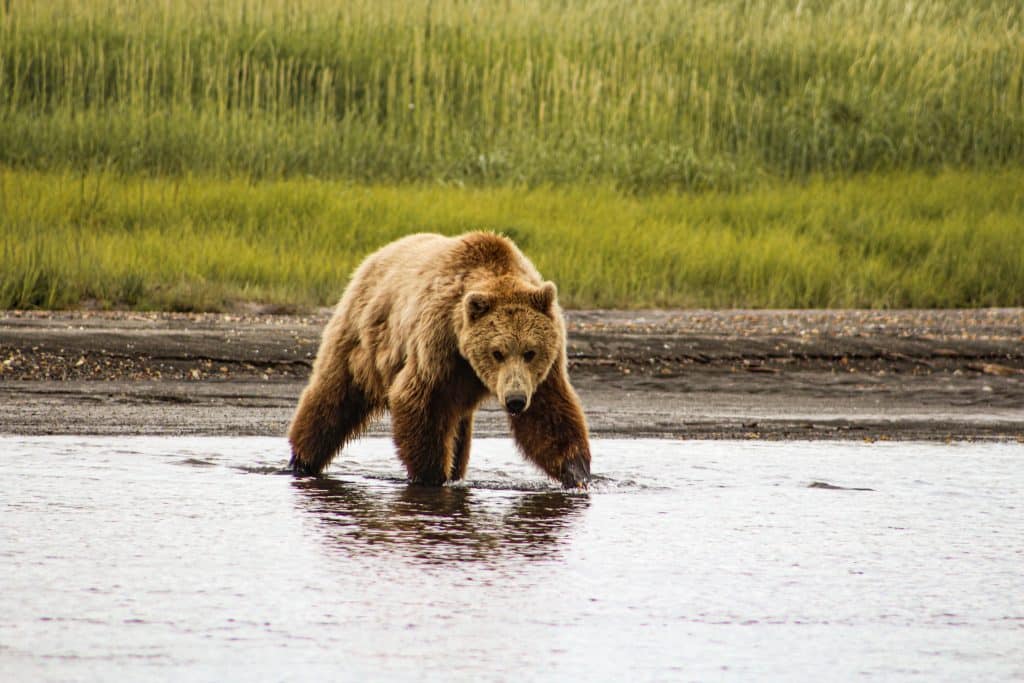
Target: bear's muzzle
{"points": [[515, 403]]}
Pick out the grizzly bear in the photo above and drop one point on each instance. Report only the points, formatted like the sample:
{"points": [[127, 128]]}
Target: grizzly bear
{"points": [[428, 328]]}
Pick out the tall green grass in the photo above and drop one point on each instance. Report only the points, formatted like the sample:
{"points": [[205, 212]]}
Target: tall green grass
{"points": [[895, 240], [647, 95]]}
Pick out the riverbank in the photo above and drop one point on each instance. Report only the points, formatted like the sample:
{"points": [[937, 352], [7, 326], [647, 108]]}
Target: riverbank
{"points": [[922, 375]]}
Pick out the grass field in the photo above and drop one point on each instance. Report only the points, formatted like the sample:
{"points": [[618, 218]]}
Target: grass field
{"points": [[646, 95], [794, 153], [898, 240]]}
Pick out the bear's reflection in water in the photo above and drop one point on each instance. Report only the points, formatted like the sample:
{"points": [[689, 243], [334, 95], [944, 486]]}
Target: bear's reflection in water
{"points": [[441, 524]]}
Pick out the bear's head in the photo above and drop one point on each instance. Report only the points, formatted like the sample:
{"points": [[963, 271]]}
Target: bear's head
{"points": [[511, 339]]}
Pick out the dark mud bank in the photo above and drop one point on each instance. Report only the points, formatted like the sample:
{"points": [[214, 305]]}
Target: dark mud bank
{"points": [[932, 375]]}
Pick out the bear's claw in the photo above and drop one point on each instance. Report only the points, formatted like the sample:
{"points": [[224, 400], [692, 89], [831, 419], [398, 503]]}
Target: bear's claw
{"points": [[298, 468], [575, 473]]}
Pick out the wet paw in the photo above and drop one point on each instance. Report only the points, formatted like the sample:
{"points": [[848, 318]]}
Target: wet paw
{"points": [[299, 468], [575, 473]]}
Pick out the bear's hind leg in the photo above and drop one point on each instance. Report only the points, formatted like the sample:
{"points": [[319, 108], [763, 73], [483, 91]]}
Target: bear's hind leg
{"points": [[332, 410], [460, 452]]}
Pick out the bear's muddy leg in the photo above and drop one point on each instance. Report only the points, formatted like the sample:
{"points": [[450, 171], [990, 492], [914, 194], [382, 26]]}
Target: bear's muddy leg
{"points": [[552, 433], [423, 425], [460, 452], [331, 411]]}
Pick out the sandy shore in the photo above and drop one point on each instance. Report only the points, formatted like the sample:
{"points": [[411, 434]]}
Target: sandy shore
{"points": [[932, 375]]}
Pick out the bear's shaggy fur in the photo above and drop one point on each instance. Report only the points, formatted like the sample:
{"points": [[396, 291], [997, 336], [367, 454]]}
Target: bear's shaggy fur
{"points": [[428, 327]]}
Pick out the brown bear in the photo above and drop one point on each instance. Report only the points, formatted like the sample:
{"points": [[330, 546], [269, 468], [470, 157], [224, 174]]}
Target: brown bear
{"points": [[428, 327]]}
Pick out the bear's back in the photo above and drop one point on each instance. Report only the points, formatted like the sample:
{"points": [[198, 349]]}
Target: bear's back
{"points": [[423, 257]]}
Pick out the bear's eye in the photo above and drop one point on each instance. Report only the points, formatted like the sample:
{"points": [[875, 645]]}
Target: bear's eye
{"points": [[498, 356], [529, 356]]}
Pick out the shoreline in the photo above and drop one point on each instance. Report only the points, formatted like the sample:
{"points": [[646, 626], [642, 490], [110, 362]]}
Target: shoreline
{"points": [[932, 375]]}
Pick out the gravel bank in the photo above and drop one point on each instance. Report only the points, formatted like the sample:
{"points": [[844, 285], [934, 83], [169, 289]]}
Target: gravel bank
{"points": [[932, 375]]}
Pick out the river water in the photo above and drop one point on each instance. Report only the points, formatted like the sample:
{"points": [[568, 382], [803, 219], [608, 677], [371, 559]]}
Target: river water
{"points": [[191, 558]]}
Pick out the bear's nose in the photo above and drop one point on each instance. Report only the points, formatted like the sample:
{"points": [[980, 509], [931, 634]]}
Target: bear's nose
{"points": [[515, 403]]}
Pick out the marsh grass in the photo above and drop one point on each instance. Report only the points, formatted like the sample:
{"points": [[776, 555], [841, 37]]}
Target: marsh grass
{"points": [[647, 95], [954, 239]]}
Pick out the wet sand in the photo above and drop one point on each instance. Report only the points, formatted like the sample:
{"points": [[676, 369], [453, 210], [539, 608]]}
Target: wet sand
{"points": [[922, 375]]}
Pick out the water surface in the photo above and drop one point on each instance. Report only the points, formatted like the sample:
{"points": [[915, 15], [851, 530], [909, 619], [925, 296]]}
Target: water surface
{"points": [[190, 558]]}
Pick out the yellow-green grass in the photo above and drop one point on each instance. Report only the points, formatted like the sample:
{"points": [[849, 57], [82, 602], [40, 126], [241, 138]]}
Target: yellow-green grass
{"points": [[898, 240], [644, 95]]}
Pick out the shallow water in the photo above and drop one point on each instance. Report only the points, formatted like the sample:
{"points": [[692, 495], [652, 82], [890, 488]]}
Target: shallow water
{"points": [[189, 558]]}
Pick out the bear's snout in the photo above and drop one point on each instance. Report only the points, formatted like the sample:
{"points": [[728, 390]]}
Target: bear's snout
{"points": [[515, 403]]}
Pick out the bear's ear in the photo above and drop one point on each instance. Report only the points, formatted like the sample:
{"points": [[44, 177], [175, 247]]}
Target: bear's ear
{"points": [[543, 298], [476, 305]]}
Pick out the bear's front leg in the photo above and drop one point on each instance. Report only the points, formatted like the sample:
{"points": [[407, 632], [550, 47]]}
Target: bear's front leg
{"points": [[423, 425], [552, 433]]}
